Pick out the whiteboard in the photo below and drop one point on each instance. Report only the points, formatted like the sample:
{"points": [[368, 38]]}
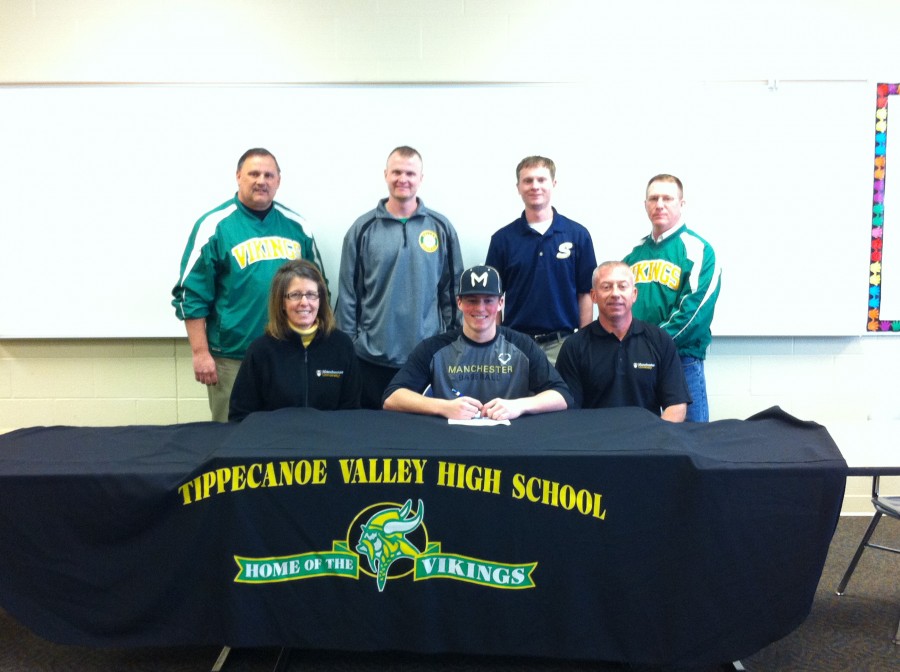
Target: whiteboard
{"points": [[102, 184]]}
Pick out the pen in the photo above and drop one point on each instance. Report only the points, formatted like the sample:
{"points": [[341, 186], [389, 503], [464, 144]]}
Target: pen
{"points": [[459, 394]]}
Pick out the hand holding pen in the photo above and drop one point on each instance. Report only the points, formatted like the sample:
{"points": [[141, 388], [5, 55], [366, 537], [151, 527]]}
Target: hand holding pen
{"points": [[467, 408]]}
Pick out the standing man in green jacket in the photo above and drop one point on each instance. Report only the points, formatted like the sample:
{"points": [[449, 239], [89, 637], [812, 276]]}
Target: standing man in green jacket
{"points": [[678, 279], [231, 257]]}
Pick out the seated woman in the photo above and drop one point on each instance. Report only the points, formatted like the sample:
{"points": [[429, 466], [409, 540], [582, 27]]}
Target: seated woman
{"points": [[302, 360]]}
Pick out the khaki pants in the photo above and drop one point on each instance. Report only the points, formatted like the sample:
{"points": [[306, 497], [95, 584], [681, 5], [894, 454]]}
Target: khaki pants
{"points": [[220, 393], [551, 349]]}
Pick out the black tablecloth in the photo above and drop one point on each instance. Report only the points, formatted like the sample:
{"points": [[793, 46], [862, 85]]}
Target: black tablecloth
{"points": [[595, 534]]}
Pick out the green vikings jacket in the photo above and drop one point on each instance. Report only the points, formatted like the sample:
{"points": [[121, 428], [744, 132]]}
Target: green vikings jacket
{"points": [[227, 267], [678, 283]]}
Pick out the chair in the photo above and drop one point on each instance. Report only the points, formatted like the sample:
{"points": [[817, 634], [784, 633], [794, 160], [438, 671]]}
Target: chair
{"points": [[884, 506]]}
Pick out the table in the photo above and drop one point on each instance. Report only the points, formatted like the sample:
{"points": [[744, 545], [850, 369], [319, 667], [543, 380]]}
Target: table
{"points": [[591, 534], [868, 447]]}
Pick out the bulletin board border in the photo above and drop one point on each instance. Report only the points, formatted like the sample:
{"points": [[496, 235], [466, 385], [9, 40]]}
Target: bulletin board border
{"points": [[877, 322]]}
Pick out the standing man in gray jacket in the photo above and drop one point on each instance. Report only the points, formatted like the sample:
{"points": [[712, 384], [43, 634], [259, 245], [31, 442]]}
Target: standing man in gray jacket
{"points": [[399, 265]]}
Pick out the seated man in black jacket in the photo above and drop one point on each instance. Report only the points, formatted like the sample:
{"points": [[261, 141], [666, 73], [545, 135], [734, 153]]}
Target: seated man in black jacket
{"points": [[618, 360]]}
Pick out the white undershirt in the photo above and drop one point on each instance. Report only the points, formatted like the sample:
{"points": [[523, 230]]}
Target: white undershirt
{"points": [[542, 226]]}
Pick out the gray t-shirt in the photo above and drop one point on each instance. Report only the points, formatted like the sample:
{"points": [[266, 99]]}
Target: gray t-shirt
{"points": [[508, 367]]}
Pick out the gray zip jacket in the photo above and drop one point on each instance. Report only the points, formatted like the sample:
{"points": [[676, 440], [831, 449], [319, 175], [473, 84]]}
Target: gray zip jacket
{"points": [[397, 282]]}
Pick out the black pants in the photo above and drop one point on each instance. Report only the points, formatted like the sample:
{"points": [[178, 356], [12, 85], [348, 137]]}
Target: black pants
{"points": [[375, 379]]}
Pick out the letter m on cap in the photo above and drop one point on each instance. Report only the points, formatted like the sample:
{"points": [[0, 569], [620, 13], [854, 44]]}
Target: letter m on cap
{"points": [[475, 279]]}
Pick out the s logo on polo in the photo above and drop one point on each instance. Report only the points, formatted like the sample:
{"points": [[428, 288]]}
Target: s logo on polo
{"points": [[429, 241], [565, 250]]}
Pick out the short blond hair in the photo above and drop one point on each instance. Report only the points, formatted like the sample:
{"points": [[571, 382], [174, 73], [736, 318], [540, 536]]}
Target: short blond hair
{"points": [[536, 162], [595, 277], [665, 177]]}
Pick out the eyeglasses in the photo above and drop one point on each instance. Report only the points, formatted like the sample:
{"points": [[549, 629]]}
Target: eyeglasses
{"points": [[296, 296]]}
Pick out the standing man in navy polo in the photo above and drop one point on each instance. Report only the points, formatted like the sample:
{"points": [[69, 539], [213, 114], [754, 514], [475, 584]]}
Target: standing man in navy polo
{"points": [[545, 261]]}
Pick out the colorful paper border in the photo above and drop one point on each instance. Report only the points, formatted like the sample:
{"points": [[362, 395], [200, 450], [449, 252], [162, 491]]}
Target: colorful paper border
{"points": [[875, 322]]}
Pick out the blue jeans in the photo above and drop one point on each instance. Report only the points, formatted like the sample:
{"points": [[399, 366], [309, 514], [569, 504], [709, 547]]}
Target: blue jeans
{"points": [[696, 384]]}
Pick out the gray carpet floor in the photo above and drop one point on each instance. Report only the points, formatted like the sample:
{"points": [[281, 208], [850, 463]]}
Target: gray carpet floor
{"points": [[846, 633]]}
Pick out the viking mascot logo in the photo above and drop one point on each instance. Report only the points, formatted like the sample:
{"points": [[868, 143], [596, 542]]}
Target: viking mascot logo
{"points": [[383, 540]]}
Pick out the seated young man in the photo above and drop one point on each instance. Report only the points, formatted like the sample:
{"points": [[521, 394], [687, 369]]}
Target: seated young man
{"points": [[482, 370]]}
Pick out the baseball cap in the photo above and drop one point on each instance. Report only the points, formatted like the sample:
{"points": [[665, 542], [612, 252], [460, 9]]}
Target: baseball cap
{"points": [[480, 280]]}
